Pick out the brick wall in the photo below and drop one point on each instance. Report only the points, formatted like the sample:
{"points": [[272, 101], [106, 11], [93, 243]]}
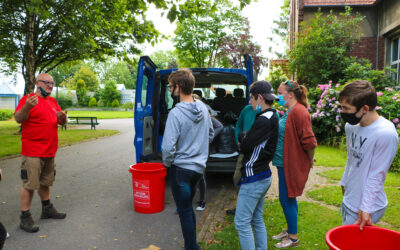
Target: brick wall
{"points": [[366, 48]]}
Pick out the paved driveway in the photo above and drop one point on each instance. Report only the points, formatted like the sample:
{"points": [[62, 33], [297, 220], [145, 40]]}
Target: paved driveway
{"points": [[94, 187]]}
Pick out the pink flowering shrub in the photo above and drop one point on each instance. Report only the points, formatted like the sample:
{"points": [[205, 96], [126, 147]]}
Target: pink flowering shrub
{"points": [[325, 111]]}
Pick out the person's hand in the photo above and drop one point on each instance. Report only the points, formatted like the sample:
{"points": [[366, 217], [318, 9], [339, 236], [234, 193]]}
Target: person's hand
{"points": [[61, 117], [364, 219], [31, 101]]}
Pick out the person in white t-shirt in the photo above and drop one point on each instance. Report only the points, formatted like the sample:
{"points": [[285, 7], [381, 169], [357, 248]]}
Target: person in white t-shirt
{"points": [[372, 144]]}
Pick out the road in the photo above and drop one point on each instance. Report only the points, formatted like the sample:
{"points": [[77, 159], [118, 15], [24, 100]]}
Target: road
{"points": [[93, 186]]}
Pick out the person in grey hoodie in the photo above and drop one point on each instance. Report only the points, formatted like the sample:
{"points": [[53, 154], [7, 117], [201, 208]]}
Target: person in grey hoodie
{"points": [[187, 135]]}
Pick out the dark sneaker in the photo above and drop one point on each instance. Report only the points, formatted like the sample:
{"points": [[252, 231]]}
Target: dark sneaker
{"points": [[27, 224], [201, 205], [49, 212], [231, 211]]}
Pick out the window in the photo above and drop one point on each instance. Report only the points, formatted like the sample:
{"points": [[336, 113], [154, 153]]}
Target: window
{"points": [[144, 90], [395, 59]]}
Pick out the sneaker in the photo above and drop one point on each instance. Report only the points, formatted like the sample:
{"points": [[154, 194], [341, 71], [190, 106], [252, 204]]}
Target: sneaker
{"points": [[280, 236], [50, 212], [27, 224], [287, 242], [231, 211], [8, 235], [201, 205]]}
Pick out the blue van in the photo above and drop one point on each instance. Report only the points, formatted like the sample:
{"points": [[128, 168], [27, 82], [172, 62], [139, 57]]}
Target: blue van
{"points": [[226, 91]]}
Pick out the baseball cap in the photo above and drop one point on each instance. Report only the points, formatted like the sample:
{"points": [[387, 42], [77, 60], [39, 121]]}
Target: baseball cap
{"points": [[265, 89]]}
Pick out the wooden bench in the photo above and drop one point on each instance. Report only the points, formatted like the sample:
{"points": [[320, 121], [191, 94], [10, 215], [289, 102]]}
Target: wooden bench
{"points": [[88, 120]]}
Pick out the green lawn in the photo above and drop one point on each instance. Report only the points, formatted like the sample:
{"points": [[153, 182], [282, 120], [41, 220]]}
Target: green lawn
{"points": [[330, 157], [11, 140], [314, 220], [332, 195], [312, 228], [102, 114]]}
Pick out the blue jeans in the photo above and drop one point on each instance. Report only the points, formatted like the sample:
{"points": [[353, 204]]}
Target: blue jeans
{"points": [[289, 205], [249, 213], [183, 186]]}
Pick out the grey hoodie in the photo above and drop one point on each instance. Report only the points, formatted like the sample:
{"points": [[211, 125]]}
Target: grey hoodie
{"points": [[188, 133]]}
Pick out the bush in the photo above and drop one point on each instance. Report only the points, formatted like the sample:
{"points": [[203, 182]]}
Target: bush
{"points": [[325, 114], [363, 70], [100, 103], [115, 103], [321, 51], [64, 100], [328, 125], [109, 93], [128, 105], [6, 114], [276, 77], [396, 162], [92, 102]]}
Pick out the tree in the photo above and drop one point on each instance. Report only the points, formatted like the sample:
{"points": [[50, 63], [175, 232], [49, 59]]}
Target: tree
{"points": [[89, 78], [280, 32], [81, 92], [234, 47], [165, 59], [198, 36], [321, 50], [38, 35], [109, 93]]}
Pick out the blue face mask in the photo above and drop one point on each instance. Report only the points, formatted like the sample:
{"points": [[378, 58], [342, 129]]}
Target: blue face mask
{"points": [[258, 108], [281, 101]]}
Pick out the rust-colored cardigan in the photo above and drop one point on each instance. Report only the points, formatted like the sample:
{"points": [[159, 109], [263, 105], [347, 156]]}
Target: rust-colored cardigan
{"points": [[299, 137]]}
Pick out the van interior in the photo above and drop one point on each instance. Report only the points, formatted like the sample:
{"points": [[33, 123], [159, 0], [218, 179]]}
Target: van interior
{"points": [[225, 94]]}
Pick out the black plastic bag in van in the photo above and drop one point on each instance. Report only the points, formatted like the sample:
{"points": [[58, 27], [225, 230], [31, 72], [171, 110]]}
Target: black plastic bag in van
{"points": [[225, 141]]}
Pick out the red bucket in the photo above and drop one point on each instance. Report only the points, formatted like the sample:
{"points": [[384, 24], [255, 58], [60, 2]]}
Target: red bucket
{"points": [[148, 184], [370, 238]]}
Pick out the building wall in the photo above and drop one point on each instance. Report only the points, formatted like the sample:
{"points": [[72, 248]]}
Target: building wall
{"points": [[389, 17], [369, 42], [7, 102]]}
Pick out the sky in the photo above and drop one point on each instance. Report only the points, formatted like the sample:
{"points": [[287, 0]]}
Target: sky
{"points": [[261, 15]]}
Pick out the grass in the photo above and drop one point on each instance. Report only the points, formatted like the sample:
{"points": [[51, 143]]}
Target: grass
{"points": [[330, 157], [312, 229], [331, 195], [11, 140], [314, 220], [392, 178], [102, 114]]}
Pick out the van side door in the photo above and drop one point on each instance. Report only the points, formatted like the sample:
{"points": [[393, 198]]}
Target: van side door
{"points": [[144, 122], [251, 77]]}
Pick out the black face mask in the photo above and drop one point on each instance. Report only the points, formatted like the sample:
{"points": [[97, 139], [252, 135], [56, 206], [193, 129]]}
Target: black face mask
{"points": [[44, 93], [351, 118], [174, 98]]}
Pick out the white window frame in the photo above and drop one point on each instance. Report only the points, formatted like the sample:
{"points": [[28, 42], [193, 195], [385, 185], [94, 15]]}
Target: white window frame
{"points": [[395, 63]]}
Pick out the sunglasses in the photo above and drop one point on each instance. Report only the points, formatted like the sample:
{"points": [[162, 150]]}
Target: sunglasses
{"points": [[288, 83], [170, 87]]}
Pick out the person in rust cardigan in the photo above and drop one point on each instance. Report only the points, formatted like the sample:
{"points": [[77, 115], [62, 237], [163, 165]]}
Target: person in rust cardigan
{"points": [[294, 156]]}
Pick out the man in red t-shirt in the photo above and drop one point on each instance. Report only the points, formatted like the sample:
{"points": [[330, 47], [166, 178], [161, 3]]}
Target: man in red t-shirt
{"points": [[39, 115]]}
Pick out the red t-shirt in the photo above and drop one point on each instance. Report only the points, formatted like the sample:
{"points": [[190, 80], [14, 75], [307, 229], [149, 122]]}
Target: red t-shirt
{"points": [[39, 132]]}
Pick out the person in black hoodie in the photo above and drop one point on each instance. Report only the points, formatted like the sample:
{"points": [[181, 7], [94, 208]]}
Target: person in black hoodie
{"points": [[258, 146]]}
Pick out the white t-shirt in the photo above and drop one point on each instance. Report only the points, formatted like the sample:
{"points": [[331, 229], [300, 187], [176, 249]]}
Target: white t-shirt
{"points": [[370, 152]]}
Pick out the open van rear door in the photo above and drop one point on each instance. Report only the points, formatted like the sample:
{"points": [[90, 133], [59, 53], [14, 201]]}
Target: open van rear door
{"points": [[144, 122]]}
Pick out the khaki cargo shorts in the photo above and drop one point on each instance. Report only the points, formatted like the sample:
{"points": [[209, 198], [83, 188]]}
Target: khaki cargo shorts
{"points": [[37, 171]]}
